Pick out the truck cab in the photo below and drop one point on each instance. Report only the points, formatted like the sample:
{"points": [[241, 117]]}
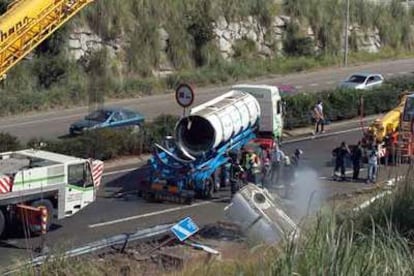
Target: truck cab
{"points": [[30, 179], [271, 106], [406, 130]]}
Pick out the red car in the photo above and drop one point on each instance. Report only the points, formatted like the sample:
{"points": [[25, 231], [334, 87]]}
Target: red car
{"points": [[286, 89]]}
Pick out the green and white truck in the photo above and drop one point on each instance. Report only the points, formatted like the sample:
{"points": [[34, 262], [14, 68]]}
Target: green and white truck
{"points": [[271, 107], [31, 179]]}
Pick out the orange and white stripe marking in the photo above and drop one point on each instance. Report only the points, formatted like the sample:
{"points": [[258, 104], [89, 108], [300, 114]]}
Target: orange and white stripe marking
{"points": [[97, 172], [6, 184]]}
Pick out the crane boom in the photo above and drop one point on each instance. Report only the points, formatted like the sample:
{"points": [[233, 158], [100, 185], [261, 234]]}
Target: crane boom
{"points": [[27, 23]]}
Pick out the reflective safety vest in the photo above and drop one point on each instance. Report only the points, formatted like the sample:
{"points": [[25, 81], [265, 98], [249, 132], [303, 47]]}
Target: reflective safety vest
{"points": [[394, 138], [255, 161]]}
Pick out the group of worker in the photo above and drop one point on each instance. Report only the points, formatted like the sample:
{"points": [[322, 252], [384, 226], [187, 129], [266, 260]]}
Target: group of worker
{"points": [[343, 153], [265, 167]]}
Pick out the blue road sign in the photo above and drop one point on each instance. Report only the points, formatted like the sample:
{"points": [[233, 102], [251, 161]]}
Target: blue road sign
{"points": [[184, 229]]}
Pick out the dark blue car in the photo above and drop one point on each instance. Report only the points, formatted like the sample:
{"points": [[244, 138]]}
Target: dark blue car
{"points": [[108, 118]]}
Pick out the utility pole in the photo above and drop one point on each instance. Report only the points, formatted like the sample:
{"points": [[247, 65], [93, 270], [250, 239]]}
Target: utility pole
{"points": [[346, 34]]}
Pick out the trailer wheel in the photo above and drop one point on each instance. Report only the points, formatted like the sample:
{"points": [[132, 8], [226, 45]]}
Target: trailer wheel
{"points": [[36, 229], [2, 223]]}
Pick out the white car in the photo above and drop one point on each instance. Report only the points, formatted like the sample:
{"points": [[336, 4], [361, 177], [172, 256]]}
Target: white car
{"points": [[362, 81]]}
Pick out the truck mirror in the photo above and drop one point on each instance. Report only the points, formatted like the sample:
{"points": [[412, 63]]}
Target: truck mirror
{"points": [[283, 108]]}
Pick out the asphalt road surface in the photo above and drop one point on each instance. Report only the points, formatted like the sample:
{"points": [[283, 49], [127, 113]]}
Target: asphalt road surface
{"points": [[111, 215], [56, 123]]}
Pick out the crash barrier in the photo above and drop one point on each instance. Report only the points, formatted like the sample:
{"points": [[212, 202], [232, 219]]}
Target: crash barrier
{"points": [[96, 246], [260, 215]]}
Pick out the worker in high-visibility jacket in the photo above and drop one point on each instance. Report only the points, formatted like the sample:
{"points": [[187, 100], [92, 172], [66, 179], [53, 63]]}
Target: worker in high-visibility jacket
{"points": [[252, 166]]}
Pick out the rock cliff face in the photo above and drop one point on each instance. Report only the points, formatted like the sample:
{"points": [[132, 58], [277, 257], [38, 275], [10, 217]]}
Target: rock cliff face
{"points": [[83, 41], [267, 41]]}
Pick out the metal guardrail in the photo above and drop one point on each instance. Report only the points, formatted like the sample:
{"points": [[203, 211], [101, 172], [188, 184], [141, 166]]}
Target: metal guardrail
{"points": [[98, 245]]}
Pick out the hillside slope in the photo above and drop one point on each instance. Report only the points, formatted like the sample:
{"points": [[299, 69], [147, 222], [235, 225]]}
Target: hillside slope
{"points": [[120, 48]]}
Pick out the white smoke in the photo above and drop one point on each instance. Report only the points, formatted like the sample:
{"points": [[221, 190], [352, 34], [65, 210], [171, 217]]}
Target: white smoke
{"points": [[307, 195]]}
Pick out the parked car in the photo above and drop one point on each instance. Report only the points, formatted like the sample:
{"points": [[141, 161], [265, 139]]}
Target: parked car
{"points": [[108, 118], [362, 81], [286, 89]]}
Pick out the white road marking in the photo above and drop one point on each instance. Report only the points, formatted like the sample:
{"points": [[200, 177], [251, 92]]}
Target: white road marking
{"points": [[371, 200], [329, 82], [402, 73], [390, 74], [327, 134], [314, 84], [119, 171], [298, 86], [156, 213]]}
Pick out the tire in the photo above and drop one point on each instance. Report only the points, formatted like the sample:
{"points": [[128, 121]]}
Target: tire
{"points": [[36, 229], [2, 223]]}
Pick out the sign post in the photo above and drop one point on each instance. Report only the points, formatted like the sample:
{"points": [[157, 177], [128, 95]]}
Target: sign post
{"points": [[184, 95]]}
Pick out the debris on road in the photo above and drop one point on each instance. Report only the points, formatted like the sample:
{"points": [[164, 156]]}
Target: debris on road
{"points": [[260, 215]]}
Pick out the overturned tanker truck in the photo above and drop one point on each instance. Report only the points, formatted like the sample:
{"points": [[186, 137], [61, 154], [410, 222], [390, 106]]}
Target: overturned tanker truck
{"points": [[193, 162]]}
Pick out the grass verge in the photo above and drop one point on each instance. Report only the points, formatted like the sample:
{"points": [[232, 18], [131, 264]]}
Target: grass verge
{"points": [[374, 241]]}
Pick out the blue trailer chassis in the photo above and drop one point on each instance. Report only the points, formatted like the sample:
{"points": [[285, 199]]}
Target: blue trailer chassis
{"points": [[174, 174]]}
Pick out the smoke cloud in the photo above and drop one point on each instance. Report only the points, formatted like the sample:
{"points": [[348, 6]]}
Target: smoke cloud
{"points": [[307, 194]]}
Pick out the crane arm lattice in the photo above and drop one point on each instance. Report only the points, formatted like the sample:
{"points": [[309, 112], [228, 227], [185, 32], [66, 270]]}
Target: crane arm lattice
{"points": [[27, 23]]}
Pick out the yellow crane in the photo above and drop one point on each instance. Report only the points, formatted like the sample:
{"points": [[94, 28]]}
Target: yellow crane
{"points": [[27, 23], [389, 123]]}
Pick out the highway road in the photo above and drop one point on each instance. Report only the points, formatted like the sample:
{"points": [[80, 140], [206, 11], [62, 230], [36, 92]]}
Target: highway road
{"points": [[55, 123], [111, 215]]}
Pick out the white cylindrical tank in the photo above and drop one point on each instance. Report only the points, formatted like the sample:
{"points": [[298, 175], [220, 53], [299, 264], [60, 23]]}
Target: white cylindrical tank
{"points": [[216, 121], [260, 216]]}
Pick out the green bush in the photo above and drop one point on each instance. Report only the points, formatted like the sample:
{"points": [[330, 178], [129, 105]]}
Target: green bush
{"points": [[340, 104], [101, 144], [295, 43], [9, 142], [106, 144]]}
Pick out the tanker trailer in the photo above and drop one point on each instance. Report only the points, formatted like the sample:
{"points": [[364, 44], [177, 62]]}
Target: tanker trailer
{"points": [[187, 165]]}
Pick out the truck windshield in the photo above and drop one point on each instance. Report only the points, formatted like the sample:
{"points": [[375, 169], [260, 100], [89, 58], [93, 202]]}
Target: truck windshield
{"points": [[409, 110], [79, 175]]}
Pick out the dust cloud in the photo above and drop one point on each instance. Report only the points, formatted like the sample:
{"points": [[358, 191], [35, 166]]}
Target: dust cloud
{"points": [[305, 195]]}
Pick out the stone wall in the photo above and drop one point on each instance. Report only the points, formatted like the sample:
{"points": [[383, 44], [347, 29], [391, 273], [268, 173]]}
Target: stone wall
{"points": [[83, 42], [268, 42]]}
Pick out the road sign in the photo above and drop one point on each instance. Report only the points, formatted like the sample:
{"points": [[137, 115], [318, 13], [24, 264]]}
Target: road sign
{"points": [[184, 229], [184, 94]]}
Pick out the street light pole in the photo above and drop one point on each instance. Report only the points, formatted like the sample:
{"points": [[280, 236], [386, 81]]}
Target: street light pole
{"points": [[346, 34]]}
